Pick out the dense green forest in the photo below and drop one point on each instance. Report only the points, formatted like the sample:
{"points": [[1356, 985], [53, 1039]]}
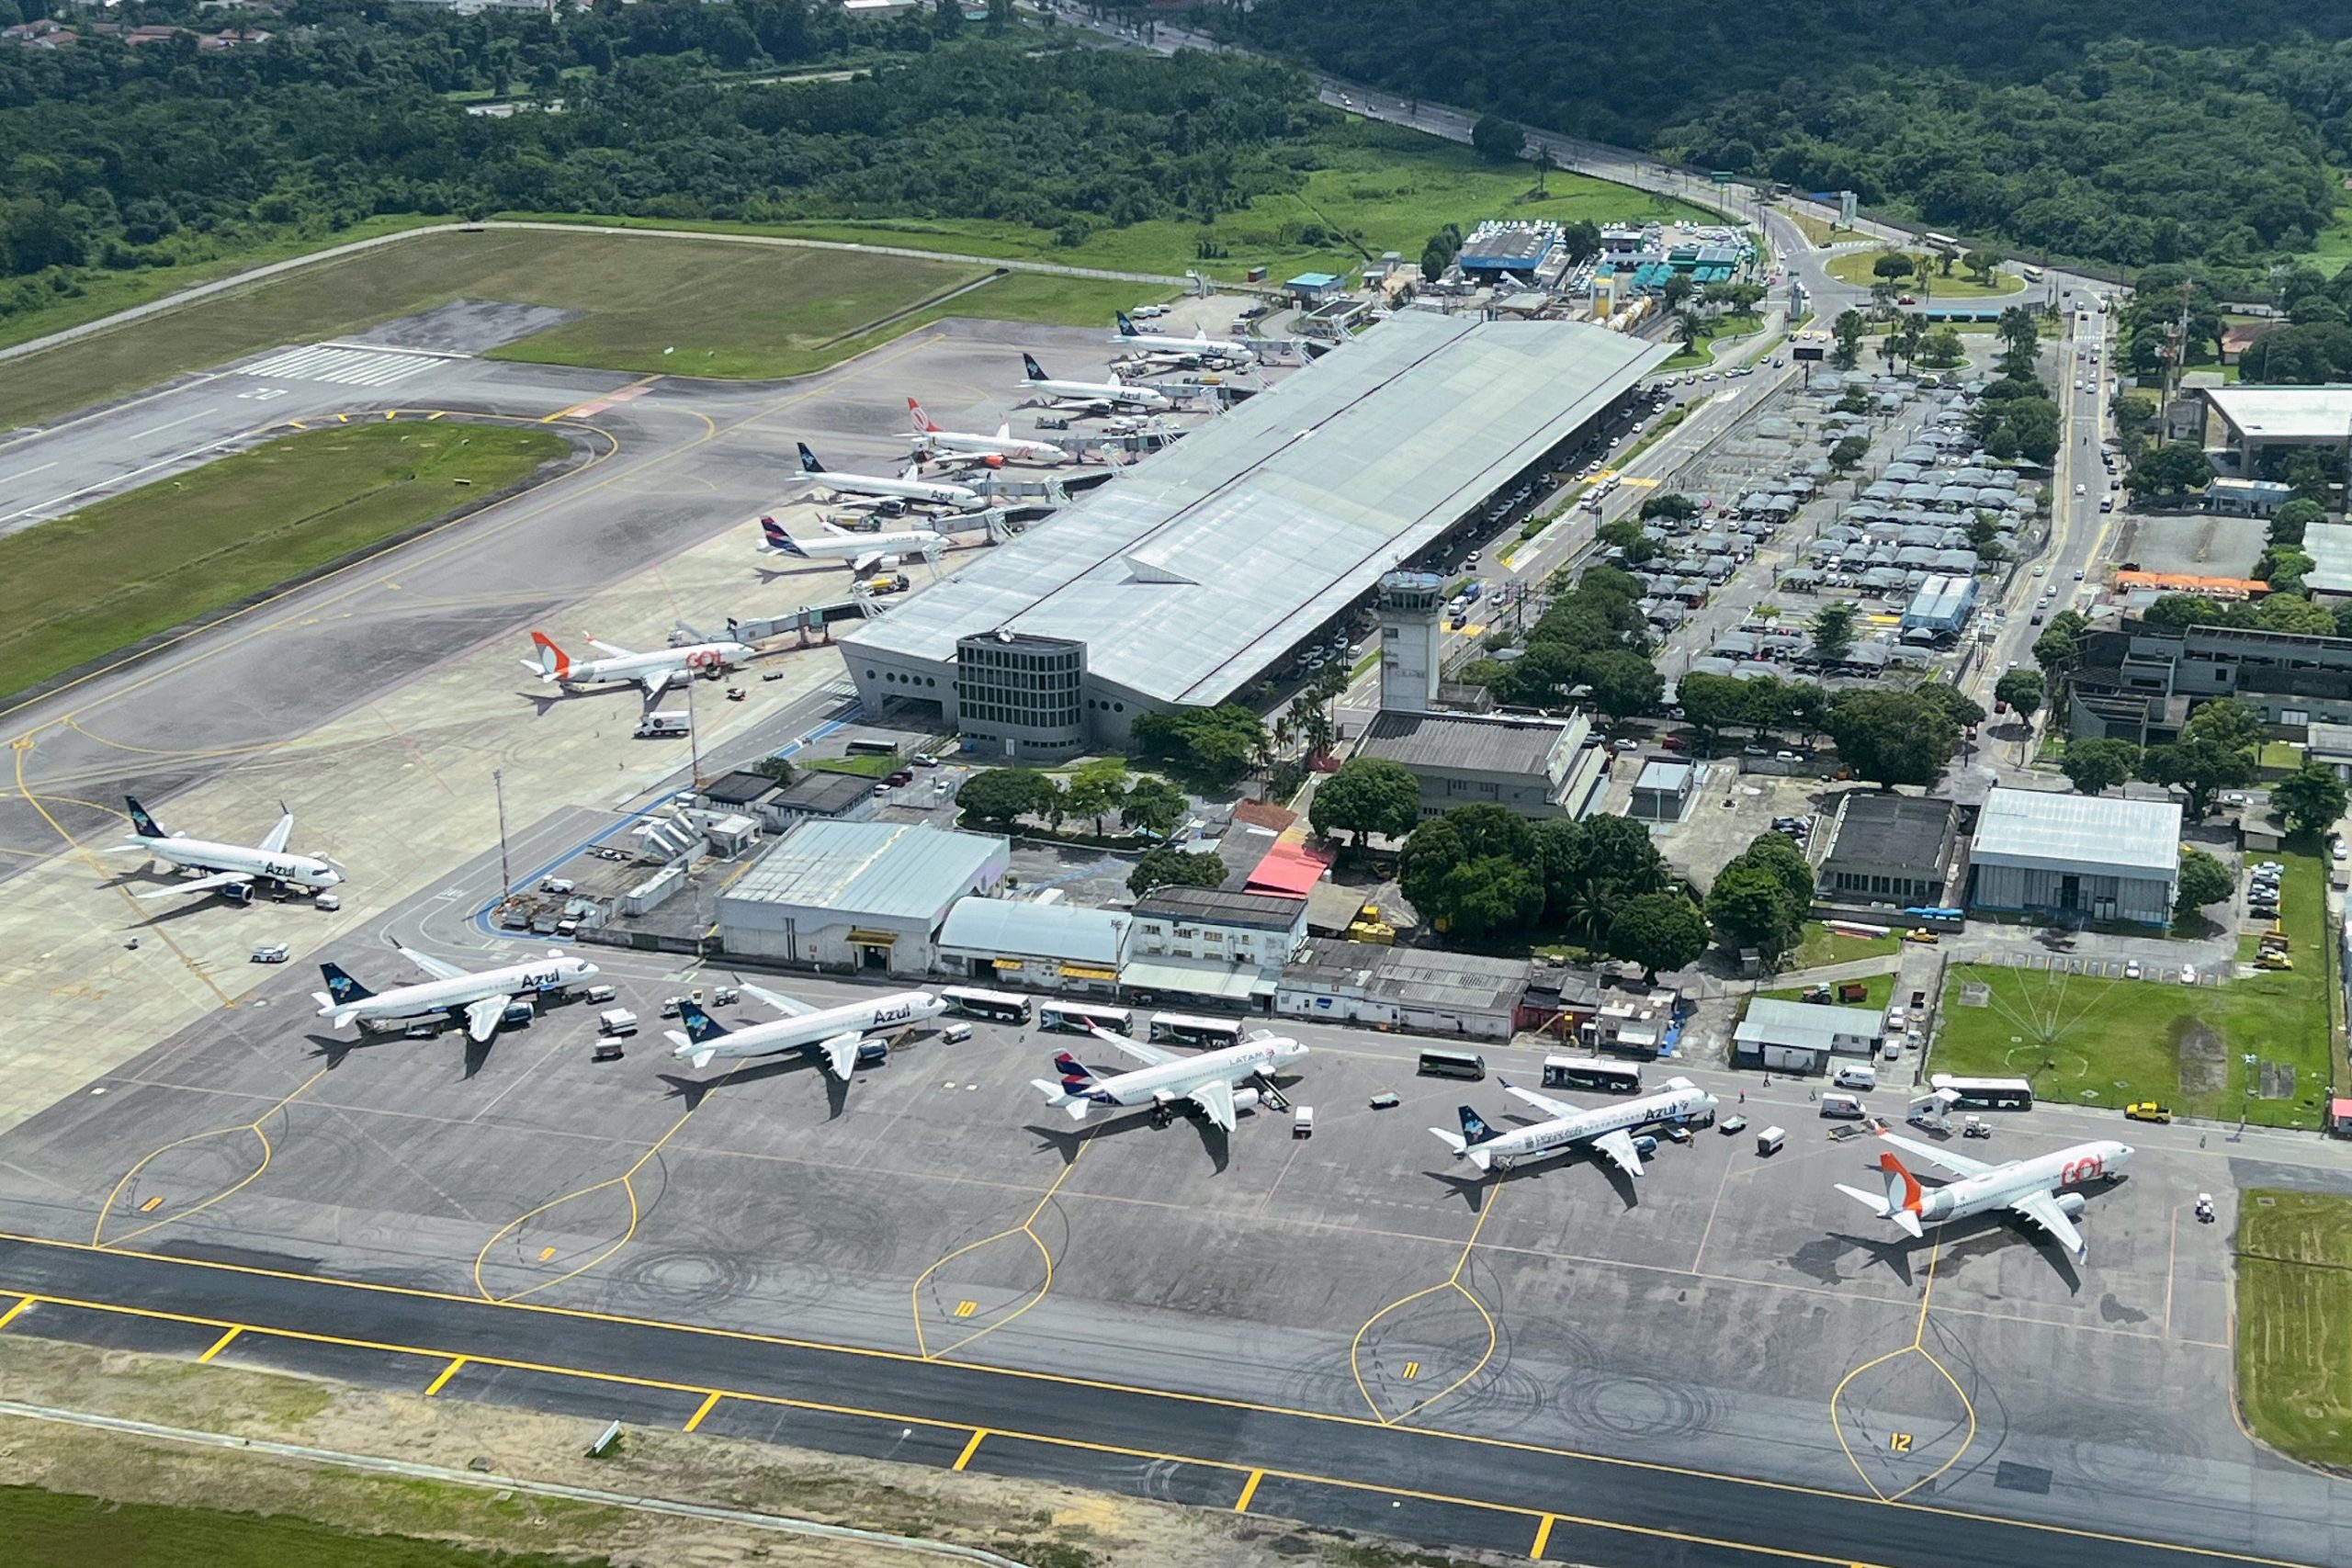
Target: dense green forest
{"points": [[2131, 131], [121, 156]]}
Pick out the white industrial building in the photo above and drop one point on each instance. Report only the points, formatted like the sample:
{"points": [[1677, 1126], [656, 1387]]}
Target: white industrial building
{"points": [[1415, 989], [1801, 1037], [2077, 856], [1216, 564], [1035, 946], [864, 896], [1207, 942]]}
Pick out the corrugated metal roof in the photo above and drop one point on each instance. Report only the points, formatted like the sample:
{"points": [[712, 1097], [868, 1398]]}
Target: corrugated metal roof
{"points": [[2053, 831], [1806, 1025], [869, 868], [1190, 574], [1461, 741], [1215, 906], [1052, 931]]}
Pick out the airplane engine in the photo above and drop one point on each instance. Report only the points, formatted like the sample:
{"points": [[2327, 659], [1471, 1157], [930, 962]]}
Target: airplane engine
{"points": [[993, 460], [238, 893], [2070, 1204], [1246, 1098]]}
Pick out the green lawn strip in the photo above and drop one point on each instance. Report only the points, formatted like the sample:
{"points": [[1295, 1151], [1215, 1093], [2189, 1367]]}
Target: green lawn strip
{"points": [[1855, 267], [1823, 947], [2294, 1328], [1878, 991], [857, 767], [1699, 354], [142, 562], [2108, 1042], [52, 1528]]}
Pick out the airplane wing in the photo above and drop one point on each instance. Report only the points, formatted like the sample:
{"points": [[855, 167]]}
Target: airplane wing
{"points": [[1545, 1103], [655, 682], [616, 650], [782, 1003], [440, 969], [276, 841], [481, 1017], [1958, 1165], [1619, 1146], [870, 561], [1216, 1097], [1149, 1055], [218, 880], [2043, 1210]]}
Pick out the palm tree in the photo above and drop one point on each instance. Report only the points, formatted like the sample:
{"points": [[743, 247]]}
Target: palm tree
{"points": [[1591, 908], [1686, 329]]}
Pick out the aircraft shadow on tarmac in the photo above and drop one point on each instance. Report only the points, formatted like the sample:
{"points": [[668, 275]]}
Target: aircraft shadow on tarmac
{"points": [[1961, 1241], [693, 1091], [1070, 1139], [334, 1049]]}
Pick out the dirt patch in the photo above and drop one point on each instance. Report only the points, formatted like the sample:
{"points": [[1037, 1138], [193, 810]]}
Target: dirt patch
{"points": [[2204, 1058], [1026, 1520]]}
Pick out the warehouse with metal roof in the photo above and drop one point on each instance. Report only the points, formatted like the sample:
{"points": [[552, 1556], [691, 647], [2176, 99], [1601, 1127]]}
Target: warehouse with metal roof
{"points": [[2077, 856], [2255, 419], [1212, 565], [864, 896]]}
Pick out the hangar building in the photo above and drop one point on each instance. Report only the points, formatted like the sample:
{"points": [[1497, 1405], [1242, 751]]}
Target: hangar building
{"points": [[2085, 857], [865, 896], [1212, 565]]}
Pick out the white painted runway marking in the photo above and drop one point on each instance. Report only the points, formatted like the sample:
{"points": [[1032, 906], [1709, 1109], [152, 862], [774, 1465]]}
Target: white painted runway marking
{"points": [[25, 473], [344, 366]]}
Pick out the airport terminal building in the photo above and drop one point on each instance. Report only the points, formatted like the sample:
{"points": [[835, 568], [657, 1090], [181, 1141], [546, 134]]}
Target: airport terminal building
{"points": [[1210, 566]]}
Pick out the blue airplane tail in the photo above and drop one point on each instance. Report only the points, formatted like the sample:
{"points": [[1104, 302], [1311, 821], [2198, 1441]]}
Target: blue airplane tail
{"points": [[780, 541], [143, 824], [809, 464], [700, 1025], [1474, 1129], [1126, 327], [1036, 371], [341, 988]]}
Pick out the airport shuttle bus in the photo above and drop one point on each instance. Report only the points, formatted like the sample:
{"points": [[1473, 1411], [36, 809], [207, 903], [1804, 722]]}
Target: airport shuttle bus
{"points": [[1176, 1029], [1942, 243], [997, 1007], [1079, 1018], [1590, 1072], [1984, 1094], [1452, 1065]]}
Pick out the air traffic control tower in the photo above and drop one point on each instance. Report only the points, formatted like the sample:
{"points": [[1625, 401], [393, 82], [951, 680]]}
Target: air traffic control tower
{"points": [[1412, 641]]}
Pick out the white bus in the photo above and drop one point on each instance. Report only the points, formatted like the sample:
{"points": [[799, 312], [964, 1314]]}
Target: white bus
{"points": [[1942, 243], [1590, 1072], [997, 1007], [1210, 1032], [1079, 1018], [2031, 273], [1984, 1094]]}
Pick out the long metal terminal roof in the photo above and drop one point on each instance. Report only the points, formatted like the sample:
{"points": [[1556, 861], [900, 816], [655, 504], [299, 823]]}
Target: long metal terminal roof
{"points": [[1192, 573], [2053, 831]]}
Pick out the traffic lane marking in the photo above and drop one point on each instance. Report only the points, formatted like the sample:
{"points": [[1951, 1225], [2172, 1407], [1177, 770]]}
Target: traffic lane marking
{"points": [[1683, 1492]]}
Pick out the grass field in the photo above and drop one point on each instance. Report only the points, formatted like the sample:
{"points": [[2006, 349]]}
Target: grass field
{"points": [[1856, 266], [1392, 188], [49, 1528], [2098, 1042], [147, 560], [1711, 330], [1822, 947], [2294, 1328], [1878, 991], [1820, 231]]}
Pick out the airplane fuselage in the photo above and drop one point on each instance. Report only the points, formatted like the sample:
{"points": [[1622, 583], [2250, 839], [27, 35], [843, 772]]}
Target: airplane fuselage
{"points": [[263, 865], [658, 661], [1173, 1080], [1562, 1134], [893, 1011], [442, 995], [936, 493], [991, 445], [1116, 394], [2069, 1167], [1186, 347]]}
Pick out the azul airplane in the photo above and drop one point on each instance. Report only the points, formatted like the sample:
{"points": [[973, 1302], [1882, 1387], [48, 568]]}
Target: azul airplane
{"points": [[654, 671], [1207, 1080], [908, 486], [833, 1034], [1104, 395], [1608, 1128], [1199, 347], [931, 441], [2035, 1188], [480, 998], [231, 870], [864, 552]]}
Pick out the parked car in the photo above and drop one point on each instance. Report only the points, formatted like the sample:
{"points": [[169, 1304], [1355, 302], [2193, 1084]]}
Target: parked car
{"points": [[270, 952], [2147, 1110]]}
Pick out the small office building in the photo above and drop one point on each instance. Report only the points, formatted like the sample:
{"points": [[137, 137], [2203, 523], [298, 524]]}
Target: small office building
{"points": [[1803, 1037], [1209, 943], [865, 896], [1662, 792], [1886, 849], [1415, 990], [2076, 857], [1535, 768]]}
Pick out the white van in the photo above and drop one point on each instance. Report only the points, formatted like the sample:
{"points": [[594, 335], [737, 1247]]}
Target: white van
{"points": [[1856, 1076], [598, 994], [1768, 1141], [617, 1020], [1843, 1106], [956, 1035], [669, 722]]}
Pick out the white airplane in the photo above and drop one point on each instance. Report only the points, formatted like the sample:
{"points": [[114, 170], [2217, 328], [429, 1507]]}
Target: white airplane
{"points": [[1104, 395], [233, 869], [908, 486], [483, 998], [864, 552], [1199, 347], [1608, 1128], [833, 1033], [2035, 1188], [930, 440], [654, 671], [1208, 1080]]}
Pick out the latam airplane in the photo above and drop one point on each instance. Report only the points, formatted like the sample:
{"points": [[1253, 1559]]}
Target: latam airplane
{"points": [[830, 1034], [930, 440], [654, 671], [2038, 1189], [908, 486], [1610, 1128], [480, 998], [1207, 1080], [1199, 347], [865, 552], [1108, 396], [231, 870]]}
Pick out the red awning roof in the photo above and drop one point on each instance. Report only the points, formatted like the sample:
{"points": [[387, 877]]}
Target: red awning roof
{"points": [[1289, 868]]}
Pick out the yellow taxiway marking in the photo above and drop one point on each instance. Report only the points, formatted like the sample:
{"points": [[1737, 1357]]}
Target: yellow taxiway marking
{"points": [[220, 1344], [966, 1309], [1248, 1490], [914, 1295], [971, 1447], [151, 1204], [438, 1383], [98, 1232], [546, 1253], [1413, 1371], [1900, 1442], [10, 1315], [1451, 1282], [1543, 1536], [709, 1404]]}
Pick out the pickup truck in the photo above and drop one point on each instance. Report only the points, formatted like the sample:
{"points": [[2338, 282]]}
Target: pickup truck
{"points": [[2147, 1110]]}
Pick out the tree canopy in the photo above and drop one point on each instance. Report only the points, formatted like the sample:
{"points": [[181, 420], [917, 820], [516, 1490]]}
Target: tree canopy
{"points": [[2311, 799], [1368, 794]]}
